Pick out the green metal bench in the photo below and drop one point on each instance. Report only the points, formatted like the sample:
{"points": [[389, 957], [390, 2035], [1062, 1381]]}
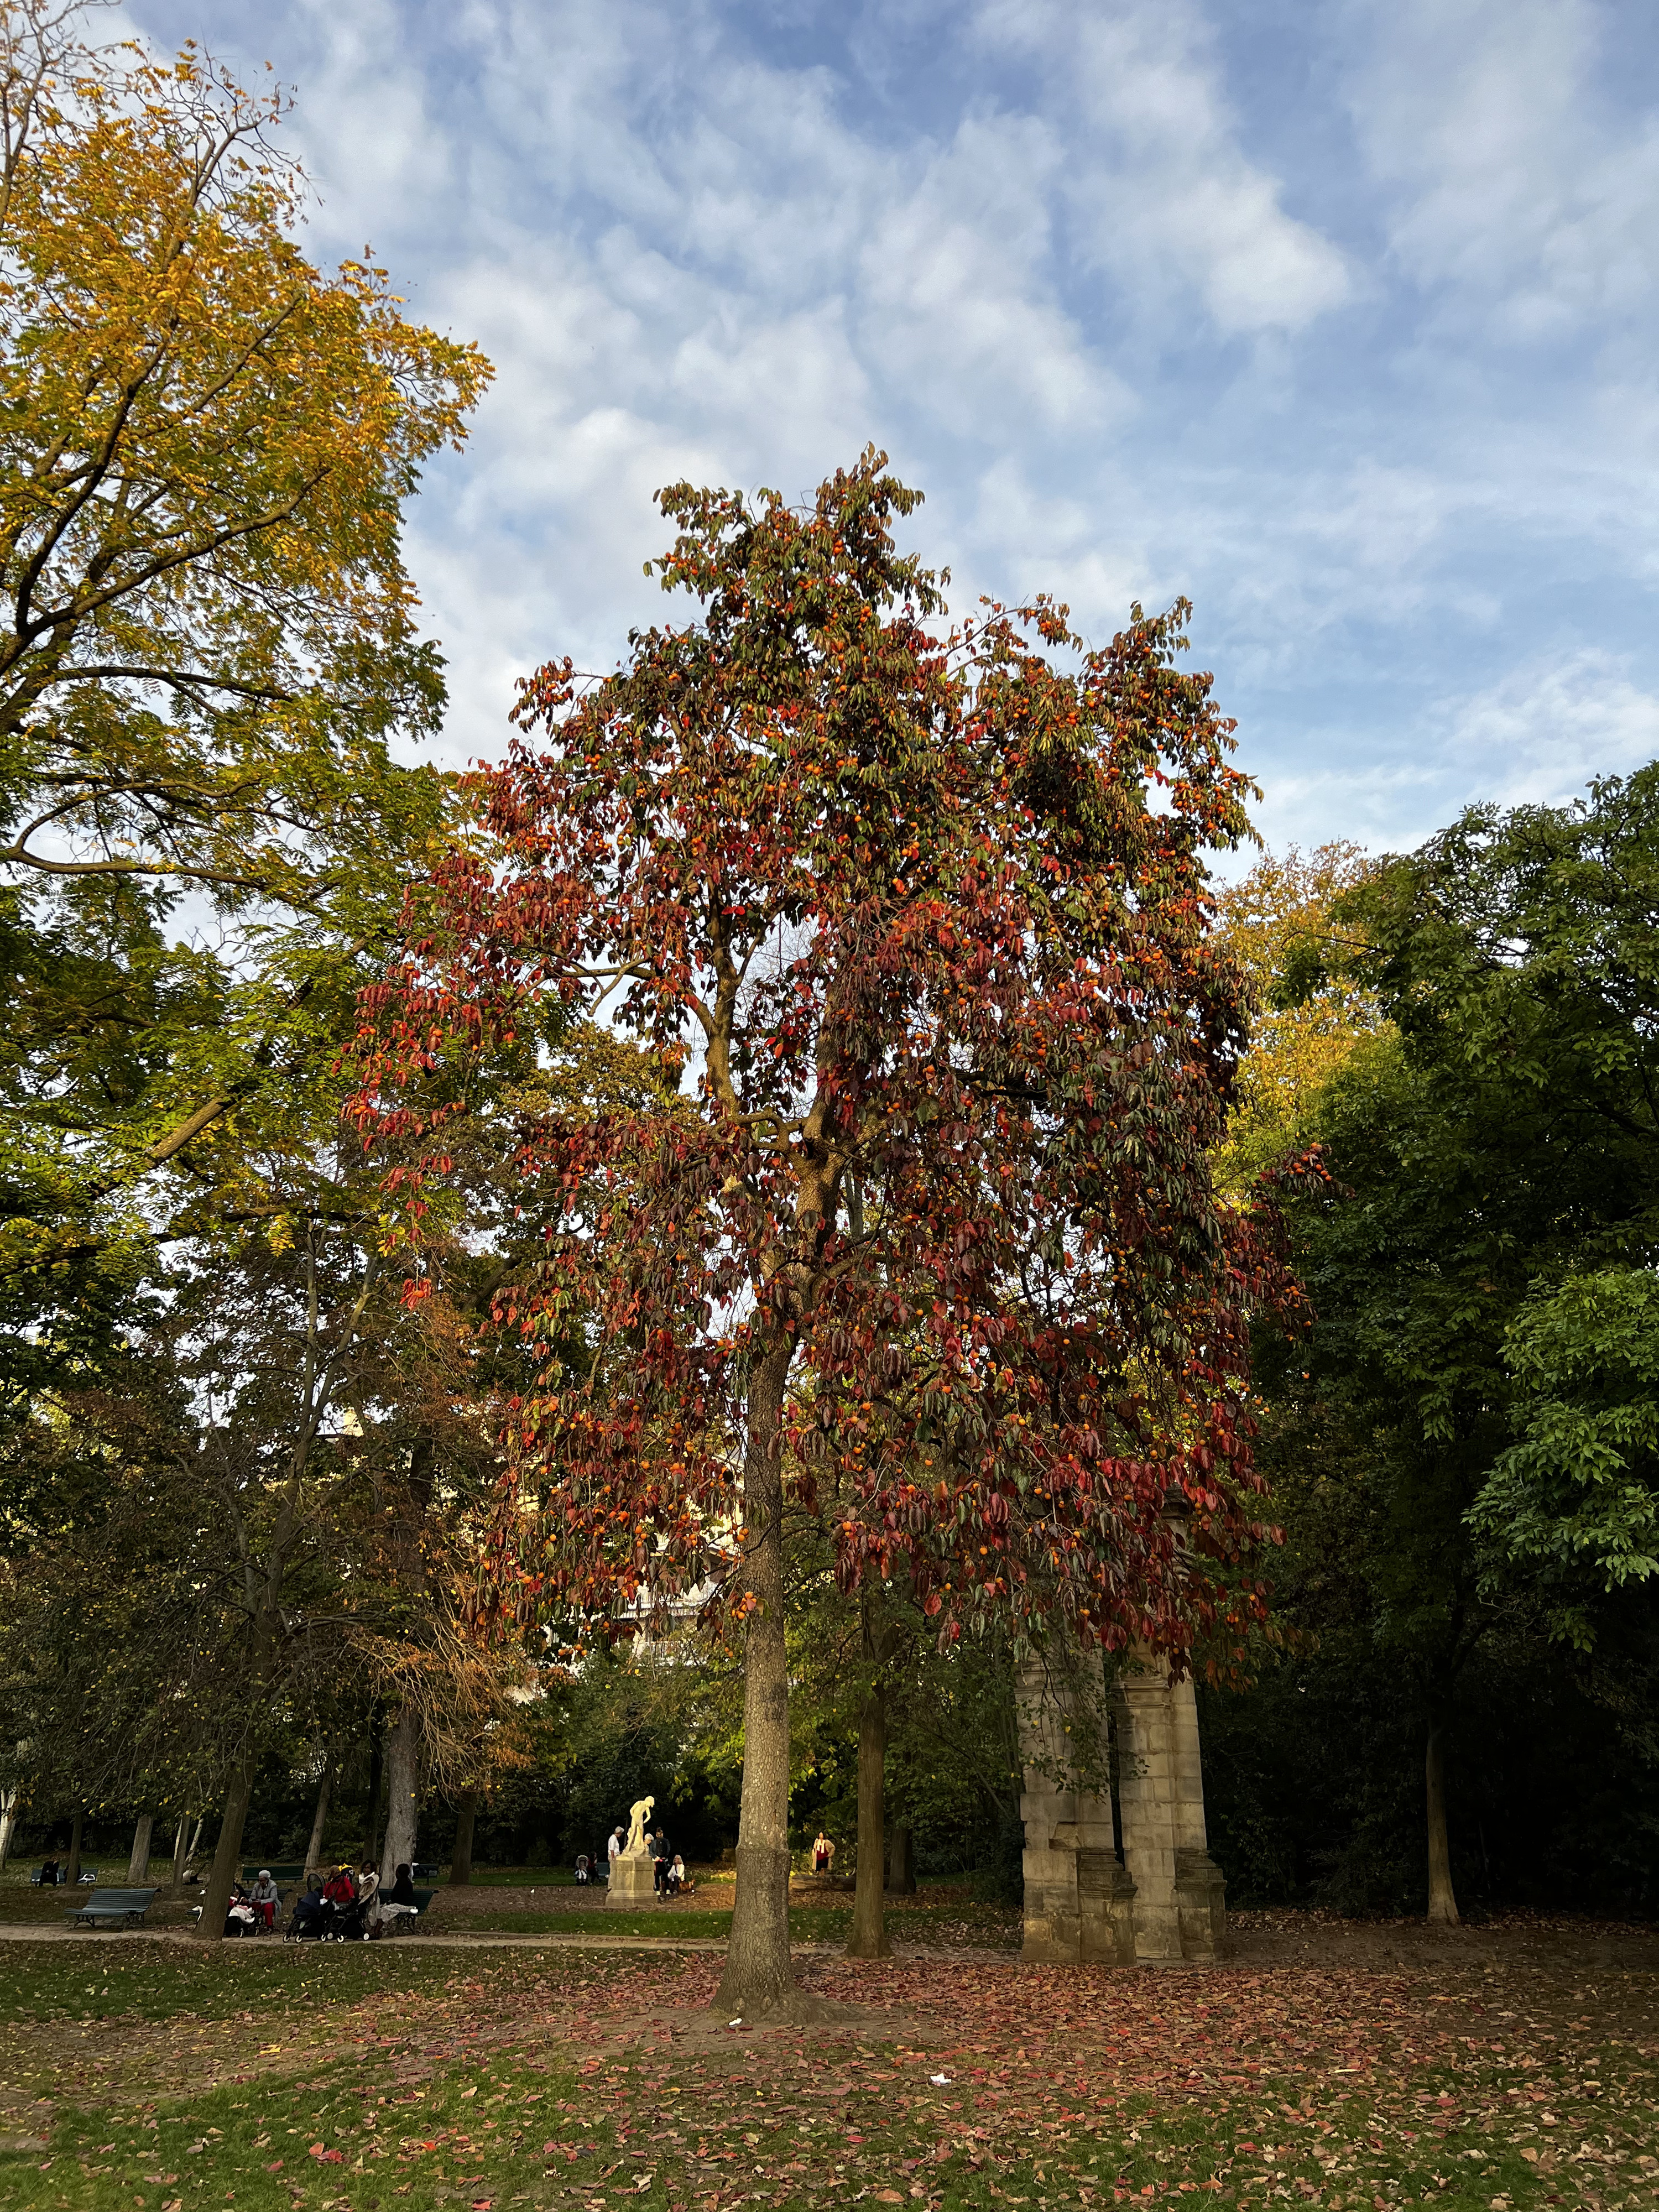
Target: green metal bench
{"points": [[404, 1923], [112, 1908]]}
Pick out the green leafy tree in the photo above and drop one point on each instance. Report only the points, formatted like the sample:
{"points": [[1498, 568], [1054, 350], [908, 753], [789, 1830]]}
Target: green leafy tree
{"points": [[1495, 1175]]}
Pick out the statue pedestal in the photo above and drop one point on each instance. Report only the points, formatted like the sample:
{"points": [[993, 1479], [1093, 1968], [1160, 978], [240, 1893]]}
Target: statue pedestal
{"points": [[633, 1881]]}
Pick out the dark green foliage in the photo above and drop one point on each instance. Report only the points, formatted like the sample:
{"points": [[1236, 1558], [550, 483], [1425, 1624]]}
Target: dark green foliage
{"points": [[1463, 1450]]}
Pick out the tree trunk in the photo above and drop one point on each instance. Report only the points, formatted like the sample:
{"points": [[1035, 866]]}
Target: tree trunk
{"points": [[757, 1979], [179, 1855], [1443, 1903], [869, 1937], [376, 1774], [227, 1859], [10, 1801], [138, 1864], [192, 1855], [319, 1819], [460, 1859], [403, 1791], [72, 1872], [901, 1870]]}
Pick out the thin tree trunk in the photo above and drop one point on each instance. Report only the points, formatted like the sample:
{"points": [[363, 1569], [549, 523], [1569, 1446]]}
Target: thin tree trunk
{"points": [[900, 1867], [1443, 1903], [10, 1799], [460, 1859], [403, 1791], [72, 1872], [757, 1979], [376, 1777], [869, 1937], [195, 1840], [138, 1864], [178, 1855], [228, 1858], [319, 1819]]}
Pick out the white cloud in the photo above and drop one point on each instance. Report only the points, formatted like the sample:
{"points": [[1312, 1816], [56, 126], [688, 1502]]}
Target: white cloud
{"points": [[1541, 734], [1071, 263], [1158, 183], [1512, 184]]}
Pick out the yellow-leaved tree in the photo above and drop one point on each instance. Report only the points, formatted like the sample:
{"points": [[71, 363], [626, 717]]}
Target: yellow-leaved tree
{"points": [[209, 639], [1310, 1012]]}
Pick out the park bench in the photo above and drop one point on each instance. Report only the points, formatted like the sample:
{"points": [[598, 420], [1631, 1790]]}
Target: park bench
{"points": [[61, 1879], [111, 1908], [403, 1923]]}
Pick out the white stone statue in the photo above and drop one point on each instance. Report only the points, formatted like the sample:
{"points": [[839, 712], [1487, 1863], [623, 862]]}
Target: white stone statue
{"points": [[638, 1814]]}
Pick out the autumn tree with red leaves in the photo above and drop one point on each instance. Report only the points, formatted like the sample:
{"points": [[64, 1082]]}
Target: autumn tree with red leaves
{"points": [[915, 923]]}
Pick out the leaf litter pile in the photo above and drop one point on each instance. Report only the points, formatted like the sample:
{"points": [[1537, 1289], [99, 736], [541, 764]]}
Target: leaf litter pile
{"points": [[1504, 2073]]}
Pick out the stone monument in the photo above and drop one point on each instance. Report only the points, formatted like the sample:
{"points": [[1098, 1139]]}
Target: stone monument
{"points": [[633, 1871], [1136, 1882]]}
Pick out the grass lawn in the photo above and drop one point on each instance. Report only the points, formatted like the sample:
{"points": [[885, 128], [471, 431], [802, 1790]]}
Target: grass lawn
{"points": [[1490, 2073]]}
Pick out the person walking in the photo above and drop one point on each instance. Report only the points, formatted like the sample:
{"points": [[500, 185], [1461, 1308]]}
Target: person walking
{"points": [[823, 1854]]}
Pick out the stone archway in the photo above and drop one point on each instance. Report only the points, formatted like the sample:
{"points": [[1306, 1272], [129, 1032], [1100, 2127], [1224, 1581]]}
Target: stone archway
{"points": [[1136, 1880]]}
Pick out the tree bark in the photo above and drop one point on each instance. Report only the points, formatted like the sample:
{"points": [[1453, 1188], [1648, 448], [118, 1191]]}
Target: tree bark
{"points": [[757, 1979], [178, 1841], [10, 1802], [403, 1791], [460, 1859], [72, 1872], [228, 1858], [901, 1870], [869, 1937], [1443, 1903], [376, 1775], [138, 1864], [319, 1819]]}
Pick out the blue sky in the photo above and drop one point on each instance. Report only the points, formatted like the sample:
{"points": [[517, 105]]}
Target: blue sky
{"points": [[1338, 316]]}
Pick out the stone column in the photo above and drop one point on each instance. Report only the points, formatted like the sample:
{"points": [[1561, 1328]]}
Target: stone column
{"points": [[1078, 1900], [1145, 1792], [1180, 1908], [1200, 1887]]}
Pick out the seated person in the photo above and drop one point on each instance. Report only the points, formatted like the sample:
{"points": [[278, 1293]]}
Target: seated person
{"points": [[582, 1864], [50, 1875], [674, 1880], [239, 1916], [265, 1899], [340, 1889], [398, 1901]]}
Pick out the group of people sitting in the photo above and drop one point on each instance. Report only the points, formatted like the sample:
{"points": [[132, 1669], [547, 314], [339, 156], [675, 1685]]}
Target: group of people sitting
{"points": [[347, 1906]]}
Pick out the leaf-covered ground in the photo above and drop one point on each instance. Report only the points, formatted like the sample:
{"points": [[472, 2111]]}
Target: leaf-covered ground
{"points": [[1357, 2070]]}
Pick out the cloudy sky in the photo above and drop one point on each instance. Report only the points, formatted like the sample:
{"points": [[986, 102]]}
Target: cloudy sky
{"points": [[1337, 316]]}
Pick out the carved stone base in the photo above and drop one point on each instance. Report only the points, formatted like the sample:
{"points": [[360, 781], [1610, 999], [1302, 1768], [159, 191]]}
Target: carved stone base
{"points": [[1201, 1894], [633, 1882], [1105, 1909]]}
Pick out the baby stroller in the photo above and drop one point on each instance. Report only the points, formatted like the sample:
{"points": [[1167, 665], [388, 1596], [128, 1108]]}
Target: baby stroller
{"points": [[319, 1918]]}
